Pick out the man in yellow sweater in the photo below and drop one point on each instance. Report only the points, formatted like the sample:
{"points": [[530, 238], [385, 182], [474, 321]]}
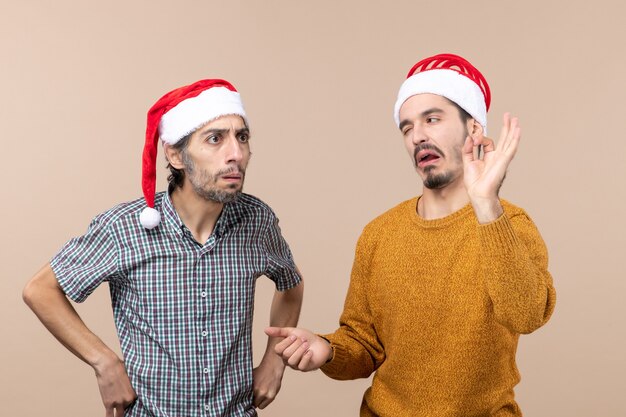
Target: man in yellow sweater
{"points": [[442, 284]]}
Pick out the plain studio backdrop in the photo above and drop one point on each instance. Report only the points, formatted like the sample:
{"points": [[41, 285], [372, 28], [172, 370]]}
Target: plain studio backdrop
{"points": [[318, 80]]}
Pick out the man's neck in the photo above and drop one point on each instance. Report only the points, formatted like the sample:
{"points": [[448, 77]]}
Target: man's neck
{"points": [[198, 214], [439, 203]]}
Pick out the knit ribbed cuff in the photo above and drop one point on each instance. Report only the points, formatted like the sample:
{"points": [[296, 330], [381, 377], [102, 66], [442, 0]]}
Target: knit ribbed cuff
{"points": [[498, 235], [338, 361]]}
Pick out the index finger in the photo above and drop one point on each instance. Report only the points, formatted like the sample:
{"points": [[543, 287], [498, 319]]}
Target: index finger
{"points": [[487, 144], [289, 341], [278, 331]]}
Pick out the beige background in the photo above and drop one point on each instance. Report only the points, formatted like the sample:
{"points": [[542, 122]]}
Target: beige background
{"points": [[319, 81]]}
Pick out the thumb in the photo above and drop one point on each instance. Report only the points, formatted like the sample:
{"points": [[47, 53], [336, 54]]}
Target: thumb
{"points": [[468, 150]]}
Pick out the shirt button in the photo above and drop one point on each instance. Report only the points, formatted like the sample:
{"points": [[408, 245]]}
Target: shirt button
{"points": [[206, 370], [204, 333], [206, 407], [203, 294]]}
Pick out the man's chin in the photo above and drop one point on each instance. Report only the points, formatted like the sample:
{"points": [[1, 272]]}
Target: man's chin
{"points": [[228, 196], [437, 181]]}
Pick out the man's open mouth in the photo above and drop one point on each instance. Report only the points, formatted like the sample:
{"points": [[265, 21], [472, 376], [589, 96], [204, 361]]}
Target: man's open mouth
{"points": [[426, 157]]}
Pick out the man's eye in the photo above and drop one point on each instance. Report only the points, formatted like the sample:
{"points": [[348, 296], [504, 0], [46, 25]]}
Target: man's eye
{"points": [[406, 131], [432, 119], [243, 138], [213, 139]]}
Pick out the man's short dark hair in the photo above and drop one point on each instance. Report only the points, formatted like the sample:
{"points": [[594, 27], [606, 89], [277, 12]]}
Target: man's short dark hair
{"points": [[465, 116], [177, 176]]}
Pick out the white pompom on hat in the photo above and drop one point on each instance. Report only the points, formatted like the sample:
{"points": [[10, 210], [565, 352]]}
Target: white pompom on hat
{"points": [[174, 116], [452, 77]]}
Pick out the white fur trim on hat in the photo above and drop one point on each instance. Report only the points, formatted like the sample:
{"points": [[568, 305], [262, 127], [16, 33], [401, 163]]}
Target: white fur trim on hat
{"points": [[190, 114], [449, 84]]}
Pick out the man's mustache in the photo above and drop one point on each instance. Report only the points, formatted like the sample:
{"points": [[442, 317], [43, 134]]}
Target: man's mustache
{"points": [[426, 146]]}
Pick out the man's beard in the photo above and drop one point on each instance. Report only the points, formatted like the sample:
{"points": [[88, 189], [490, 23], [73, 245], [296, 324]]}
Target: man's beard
{"points": [[203, 182], [435, 181]]}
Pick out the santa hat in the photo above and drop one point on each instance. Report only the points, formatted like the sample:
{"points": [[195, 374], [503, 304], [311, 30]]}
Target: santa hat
{"points": [[452, 77], [177, 114]]}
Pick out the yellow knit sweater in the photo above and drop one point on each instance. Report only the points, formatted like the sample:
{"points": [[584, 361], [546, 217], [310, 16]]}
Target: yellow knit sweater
{"points": [[435, 308]]}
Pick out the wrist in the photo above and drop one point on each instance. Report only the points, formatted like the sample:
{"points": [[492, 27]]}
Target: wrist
{"points": [[271, 358], [331, 354], [486, 210], [331, 349], [102, 359]]}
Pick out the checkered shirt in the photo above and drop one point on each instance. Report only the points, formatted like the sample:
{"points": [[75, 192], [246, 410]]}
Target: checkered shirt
{"points": [[183, 310]]}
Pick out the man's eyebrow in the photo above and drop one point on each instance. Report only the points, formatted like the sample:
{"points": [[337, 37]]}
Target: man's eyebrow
{"points": [[213, 130], [431, 111], [222, 131], [425, 113]]}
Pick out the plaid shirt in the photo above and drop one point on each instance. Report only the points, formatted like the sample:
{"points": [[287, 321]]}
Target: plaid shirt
{"points": [[183, 310]]}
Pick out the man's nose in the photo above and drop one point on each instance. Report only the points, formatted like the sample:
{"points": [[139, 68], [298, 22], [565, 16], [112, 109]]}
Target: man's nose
{"points": [[418, 134], [234, 149]]}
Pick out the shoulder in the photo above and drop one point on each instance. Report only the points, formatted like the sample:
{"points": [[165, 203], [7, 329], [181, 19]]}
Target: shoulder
{"points": [[126, 213], [512, 210], [248, 205], [386, 225], [394, 217]]}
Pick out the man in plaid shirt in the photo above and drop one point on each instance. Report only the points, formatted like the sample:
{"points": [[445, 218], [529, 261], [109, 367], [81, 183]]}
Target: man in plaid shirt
{"points": [[181, 267]]}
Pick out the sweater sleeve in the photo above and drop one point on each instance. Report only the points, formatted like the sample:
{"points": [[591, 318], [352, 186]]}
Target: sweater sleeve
{"points": [[357, 349], [516, 272]]}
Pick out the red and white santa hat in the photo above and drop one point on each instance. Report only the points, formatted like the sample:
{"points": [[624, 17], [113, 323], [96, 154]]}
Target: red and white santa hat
{"points": [[174, 116], [452, 77]]}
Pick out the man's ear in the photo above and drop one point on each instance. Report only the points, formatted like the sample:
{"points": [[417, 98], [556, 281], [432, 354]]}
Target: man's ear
{"points": [[475, 129], [173, 156]]}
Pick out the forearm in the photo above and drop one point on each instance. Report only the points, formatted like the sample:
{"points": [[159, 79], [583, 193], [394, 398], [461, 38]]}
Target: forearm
{"points": [[353, 354], [268, 375], [286, 305], [284, 312], [517, 279], [357, 348], [47, 300]]}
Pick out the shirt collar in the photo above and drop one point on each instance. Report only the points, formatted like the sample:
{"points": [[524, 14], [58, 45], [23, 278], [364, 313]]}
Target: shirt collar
{"points": [[170, 216], [173, 221]]}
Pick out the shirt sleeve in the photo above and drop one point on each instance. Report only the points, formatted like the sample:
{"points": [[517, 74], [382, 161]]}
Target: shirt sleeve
{"points": [[86, 261], [516, 272], [357, 349], [281, 268]]}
